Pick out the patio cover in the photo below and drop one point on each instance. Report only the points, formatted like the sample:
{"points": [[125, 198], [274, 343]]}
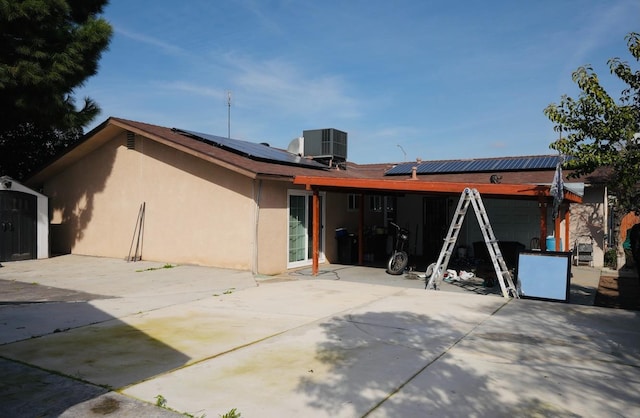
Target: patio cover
{"points": [[414, 185]]}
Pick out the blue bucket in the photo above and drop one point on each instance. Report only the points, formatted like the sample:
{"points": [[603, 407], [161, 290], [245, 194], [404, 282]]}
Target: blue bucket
{"points": [[551, 244]]}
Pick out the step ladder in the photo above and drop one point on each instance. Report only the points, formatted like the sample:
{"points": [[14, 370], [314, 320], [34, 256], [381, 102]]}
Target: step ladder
{"points": [[472, 196]]}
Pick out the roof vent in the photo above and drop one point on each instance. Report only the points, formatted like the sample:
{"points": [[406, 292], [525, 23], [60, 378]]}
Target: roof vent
{"points": [[131, 140]]}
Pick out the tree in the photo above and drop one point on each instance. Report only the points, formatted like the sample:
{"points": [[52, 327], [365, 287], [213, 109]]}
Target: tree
{"points": [[48, 48], [602, 132]]}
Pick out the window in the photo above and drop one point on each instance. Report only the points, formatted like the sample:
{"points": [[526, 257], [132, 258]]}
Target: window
{"points": [[354, 202], [375, 203]]}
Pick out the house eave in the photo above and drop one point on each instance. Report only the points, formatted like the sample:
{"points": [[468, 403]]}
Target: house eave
{"points": [[505, 191]]}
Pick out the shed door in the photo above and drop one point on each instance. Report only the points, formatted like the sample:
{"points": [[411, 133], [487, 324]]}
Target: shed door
{"points": [[18, 233]]}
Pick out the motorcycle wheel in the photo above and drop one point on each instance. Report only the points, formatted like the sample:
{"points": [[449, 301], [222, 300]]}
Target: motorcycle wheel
{"points": [[397, 263]]}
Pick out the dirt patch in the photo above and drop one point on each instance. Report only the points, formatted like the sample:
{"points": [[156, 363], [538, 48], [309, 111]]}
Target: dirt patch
{"points": [[619, 292], [106, 406]]}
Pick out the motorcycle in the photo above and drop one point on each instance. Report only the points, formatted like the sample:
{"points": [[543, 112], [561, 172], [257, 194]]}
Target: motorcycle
{"points": [[399, 258]]}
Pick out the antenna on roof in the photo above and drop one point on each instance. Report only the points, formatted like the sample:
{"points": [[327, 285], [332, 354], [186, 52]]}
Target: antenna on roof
{"points": [[402, 149], [229, 114]]}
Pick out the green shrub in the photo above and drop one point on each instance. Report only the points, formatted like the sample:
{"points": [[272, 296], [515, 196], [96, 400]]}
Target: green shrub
{"points": [[611, 259]]}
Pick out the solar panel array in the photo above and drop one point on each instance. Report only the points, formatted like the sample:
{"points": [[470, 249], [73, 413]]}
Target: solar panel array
{"points": [[482, 165], [254, 151]]}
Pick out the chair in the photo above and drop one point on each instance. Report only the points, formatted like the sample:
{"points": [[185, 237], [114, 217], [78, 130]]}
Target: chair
{"points": [[583, 251], [535, 243]]}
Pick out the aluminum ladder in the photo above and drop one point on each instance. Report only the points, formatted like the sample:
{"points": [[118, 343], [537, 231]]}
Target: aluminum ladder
{"points": [[472, 196]]}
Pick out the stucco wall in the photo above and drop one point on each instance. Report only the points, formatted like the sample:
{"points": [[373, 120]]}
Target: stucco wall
{"points": [[272, 230], [196, 212], [589, 220]]}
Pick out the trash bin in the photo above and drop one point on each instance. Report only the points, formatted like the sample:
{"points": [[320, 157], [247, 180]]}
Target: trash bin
{"points": [[347, 246], [551, 243]]}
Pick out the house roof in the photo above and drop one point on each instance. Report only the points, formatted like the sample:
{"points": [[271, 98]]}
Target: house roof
{"points": [[365, 177], [186, 143]]}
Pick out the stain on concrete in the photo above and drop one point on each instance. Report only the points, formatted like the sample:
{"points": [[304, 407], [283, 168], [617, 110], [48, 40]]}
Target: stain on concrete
{"points": [[106, 406]]}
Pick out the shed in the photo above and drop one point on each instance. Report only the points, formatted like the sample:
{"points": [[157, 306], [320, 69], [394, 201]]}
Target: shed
{"points": [[24, 222]]}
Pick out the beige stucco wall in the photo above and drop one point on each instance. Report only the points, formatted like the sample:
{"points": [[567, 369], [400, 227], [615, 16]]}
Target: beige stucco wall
{"points": [[196, 212], [272, 226], [589, 219]]}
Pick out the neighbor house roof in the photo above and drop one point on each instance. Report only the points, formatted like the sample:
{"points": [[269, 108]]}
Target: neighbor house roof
{"points": [[366, 177]]}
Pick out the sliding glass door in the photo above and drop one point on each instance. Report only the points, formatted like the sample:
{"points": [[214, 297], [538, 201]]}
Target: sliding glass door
{"points": [[301, 228]]}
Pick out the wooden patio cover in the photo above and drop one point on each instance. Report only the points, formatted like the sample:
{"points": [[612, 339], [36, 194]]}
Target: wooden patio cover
{"points": [[541, 193]]}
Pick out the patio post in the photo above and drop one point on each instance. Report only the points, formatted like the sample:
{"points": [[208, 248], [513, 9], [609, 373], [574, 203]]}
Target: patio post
{"points": [[567, 230], [361, 229], [543, 224], [556, 233], [315, 231]]}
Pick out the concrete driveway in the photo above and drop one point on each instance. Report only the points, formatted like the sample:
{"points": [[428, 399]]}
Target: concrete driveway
{"points": [[84, 336]]}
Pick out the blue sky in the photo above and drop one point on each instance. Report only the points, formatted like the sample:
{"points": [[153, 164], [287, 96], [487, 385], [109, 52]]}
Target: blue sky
{"points": [[405, 79]]}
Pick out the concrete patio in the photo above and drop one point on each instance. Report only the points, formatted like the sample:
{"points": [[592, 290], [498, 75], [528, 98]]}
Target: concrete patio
{"points": [[84, 336]]}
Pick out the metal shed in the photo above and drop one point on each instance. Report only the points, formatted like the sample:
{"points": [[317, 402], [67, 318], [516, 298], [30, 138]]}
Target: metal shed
{"points": [[24, 222]]}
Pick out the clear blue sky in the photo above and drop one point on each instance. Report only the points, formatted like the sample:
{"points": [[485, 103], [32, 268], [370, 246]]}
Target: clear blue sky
{"points": [[432, 79]]}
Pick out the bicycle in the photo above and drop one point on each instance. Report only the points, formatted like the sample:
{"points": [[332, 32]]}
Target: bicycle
{"points": [[399, 258]]}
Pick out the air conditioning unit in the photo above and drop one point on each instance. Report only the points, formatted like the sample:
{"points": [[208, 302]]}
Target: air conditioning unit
{"points": [[325, 144]]}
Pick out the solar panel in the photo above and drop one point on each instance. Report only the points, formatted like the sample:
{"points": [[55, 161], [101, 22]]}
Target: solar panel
{"points": [[399, 170], [480, 165], [477, 165], [450, 166], [254, 151], [456, 165], [510, 164]]}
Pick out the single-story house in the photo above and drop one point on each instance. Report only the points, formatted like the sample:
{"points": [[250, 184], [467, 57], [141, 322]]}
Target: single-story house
{"points": [[186, 197]]}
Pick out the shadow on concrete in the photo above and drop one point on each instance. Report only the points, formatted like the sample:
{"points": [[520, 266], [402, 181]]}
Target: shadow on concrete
{"points": [[581, 295], [55, 355], [423, 376], [27, 391], [357, 356], [621, 292], [16, 292]]}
